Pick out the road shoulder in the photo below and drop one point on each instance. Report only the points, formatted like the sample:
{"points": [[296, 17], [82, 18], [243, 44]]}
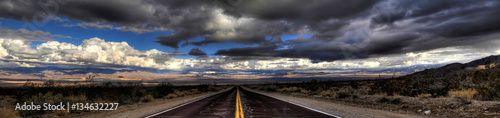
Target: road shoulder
{"points": [[336, 109]]}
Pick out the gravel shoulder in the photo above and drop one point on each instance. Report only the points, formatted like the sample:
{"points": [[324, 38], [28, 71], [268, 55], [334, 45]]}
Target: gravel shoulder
{"points": [[337, 109], [140, 110]]}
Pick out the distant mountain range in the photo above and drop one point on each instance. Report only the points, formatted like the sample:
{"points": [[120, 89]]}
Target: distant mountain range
{"points": [[479, 64]]}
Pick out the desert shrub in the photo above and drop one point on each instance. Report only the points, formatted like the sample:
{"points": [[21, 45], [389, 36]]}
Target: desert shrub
{"points": [[396, 101], [7, 101], [379, 85], [486, 93], [381, 94], [39, 99], [48, 97], [289, 89], [363, 90], [306, 92], [396, 95], [353, 84], [148, 98], [193, 91], [346, 91], [126, 99], [8, 113], [266, 87], [170, 96], [486, 83], [354, 96], [283, 90], [178, 94], [271, 88], [342, 93], [6, 107], [386, 99], [77, 99], [328, 93], [162, 89], [61, 112], [465, 94], [213, 88], [73, 99], [383, 99], [133, 92], [424, 95]]}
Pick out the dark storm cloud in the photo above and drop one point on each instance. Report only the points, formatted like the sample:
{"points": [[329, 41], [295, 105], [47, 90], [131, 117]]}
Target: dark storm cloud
{"points": [[484, 22], [266, 50], [188, 18], [302, 10], [174, 40], [405, 26], [28, 35], [197, 52], [395, 45], [425, 25], [449, 19], [114, 11], [407, 9], [272, 50], [387, 26]]}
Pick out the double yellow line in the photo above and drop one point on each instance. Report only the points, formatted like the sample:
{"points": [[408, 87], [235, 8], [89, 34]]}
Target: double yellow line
{"points": [[239, 109]]}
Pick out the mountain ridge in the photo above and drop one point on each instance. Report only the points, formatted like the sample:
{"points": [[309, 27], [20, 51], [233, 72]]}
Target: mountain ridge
{"points": [[478, 64]]}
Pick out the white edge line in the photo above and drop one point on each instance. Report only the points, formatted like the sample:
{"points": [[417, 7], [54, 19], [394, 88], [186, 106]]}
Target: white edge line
{"points": [[302, 106], [180, 105]]}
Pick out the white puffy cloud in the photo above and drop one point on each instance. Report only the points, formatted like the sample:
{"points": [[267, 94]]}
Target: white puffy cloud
{"points": [[15, 64], [92, 50], [226, 27]]}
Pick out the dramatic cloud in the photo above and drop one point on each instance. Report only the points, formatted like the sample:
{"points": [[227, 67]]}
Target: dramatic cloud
{"points": [[28, 35], [197, 52], [100, 26], [390, 27], [305, 10], [339, 29]]}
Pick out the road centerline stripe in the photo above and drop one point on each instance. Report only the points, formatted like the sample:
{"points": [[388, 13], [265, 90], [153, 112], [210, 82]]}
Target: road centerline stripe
{"points": [[239, 108]]}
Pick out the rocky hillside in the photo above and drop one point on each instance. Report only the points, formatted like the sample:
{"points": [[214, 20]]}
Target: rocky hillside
{"points": [[484, 63]]}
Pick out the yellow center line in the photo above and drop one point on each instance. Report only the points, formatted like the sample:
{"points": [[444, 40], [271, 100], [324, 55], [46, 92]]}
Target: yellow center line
{"points": [[239, 109]]}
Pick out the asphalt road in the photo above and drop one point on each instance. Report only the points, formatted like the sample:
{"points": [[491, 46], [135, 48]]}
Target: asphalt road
{"points": [[239, 103]]}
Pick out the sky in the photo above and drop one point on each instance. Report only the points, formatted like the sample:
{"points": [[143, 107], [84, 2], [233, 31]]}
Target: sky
{"points": [[239, 41]]}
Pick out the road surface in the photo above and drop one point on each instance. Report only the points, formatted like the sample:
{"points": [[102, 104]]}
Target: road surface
{"points": [[240, 103]]}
